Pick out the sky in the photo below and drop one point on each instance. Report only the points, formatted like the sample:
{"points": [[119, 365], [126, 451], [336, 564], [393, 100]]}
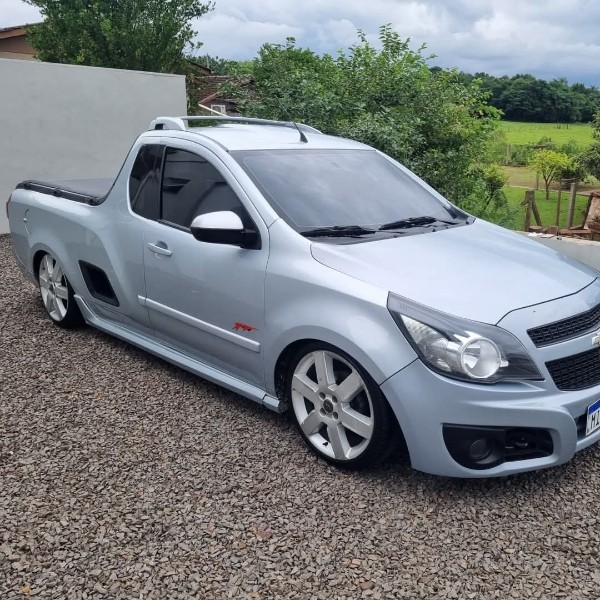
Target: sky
{"points": [[548, 38]]}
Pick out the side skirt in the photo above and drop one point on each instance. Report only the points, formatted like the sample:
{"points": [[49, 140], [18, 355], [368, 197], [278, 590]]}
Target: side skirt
{"points": [[180, 359]]}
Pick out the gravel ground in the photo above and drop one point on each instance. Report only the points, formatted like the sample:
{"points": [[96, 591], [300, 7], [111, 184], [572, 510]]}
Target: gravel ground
{"points": [[124, 477]]}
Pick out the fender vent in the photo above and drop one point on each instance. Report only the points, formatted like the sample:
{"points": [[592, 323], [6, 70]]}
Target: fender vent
{"points": [[98, 284]]}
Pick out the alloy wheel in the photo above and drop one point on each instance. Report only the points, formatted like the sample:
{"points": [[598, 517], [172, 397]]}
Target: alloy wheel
{"points": [[332, 405], [53, 287]]}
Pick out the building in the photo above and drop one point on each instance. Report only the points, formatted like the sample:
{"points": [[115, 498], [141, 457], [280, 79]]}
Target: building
{"points": [[14, 44], [206, 89], [212, 97]]}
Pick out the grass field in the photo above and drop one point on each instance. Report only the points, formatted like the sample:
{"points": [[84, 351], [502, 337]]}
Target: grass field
{"points": [[531, 133], [547, 208], [525, 177]]}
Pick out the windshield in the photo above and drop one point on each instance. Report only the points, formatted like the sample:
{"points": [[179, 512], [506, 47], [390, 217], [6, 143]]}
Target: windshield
{"points": [[340, 188]]}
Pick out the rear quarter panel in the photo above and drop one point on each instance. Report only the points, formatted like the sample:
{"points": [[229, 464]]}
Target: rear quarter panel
{"points": [[72, 232]]}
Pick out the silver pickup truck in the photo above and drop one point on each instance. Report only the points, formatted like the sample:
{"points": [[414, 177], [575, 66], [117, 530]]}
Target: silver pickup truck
{"points": [[314, 273]]}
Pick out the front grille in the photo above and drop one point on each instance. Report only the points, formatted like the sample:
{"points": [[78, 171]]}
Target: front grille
{"points": [[566, 328], [576, 372]]}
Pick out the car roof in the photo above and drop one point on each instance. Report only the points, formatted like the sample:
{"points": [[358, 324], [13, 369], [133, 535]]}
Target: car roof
{"points": [[250, 136], [266, 137]]}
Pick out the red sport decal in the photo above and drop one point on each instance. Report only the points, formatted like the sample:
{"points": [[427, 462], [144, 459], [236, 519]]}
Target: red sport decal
{"points": [[239, 326]]}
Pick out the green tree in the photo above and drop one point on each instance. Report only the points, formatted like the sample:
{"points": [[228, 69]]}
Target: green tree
{"points": [[550, 164], [125, 34], [526, 98], [491, 203], [389, 98], [220, 66], [591, 157]]}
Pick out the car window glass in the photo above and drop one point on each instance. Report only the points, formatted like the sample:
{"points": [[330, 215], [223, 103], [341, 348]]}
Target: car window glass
{"points": [[314, 188], [191, 186], [144, 182]]}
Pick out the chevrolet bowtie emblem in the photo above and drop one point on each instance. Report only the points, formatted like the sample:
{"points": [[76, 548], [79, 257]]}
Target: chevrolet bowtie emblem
{"points": [[596, 338]]}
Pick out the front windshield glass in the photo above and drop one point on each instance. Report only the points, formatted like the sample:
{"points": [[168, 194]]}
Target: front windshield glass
{"points": [[337, 188]]}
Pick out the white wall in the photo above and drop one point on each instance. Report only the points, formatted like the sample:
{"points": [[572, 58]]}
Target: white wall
{"points": [[72, 122]]}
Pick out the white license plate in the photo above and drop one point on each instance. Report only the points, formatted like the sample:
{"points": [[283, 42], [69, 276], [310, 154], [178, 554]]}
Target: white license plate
{"points": [[593, 418]]}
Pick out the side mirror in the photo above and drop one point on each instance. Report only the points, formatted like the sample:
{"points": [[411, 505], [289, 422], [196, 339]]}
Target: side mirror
{"points": [[224, 227]]}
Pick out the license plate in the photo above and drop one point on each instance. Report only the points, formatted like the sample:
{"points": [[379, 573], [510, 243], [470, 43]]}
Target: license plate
{"points": [[593, 418]]}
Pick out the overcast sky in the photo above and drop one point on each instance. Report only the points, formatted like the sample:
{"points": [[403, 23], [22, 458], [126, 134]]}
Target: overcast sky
{"points": [[549, 38]]}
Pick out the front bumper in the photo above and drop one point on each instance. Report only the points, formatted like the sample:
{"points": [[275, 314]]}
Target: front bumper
{"points": [[424, 402]]}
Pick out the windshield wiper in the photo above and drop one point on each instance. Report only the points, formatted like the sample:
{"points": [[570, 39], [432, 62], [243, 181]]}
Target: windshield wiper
{"points": [[338, 231], [414, 222]]}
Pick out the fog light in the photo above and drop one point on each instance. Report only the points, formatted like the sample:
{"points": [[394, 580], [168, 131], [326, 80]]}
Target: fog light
{"points": [[480, 449]]}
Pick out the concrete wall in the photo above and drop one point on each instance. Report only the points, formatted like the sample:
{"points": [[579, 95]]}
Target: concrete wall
{"points": [[587, 252], [72, 122]]}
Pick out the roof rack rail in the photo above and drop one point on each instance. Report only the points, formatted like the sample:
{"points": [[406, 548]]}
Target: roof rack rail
{"points": [[179, 123]]}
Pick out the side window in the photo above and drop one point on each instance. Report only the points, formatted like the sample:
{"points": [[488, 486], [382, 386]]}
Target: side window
{"points": [[144, 182], [192, 186]]}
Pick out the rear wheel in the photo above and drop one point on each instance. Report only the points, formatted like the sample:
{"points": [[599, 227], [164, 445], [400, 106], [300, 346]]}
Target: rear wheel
{"points": [[57, 294], [338, 408]]}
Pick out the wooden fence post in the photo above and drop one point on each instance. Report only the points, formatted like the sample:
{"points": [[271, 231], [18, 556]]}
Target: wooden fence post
{"points": [[528, 202], [534, 210], [572, 204]]}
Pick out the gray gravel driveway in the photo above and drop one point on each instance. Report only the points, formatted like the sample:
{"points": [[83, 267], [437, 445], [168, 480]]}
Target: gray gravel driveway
{"points": [[124, 477]]}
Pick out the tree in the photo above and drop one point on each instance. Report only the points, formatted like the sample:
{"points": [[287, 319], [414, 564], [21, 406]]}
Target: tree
{"points": [[495, 206], [526, 98], [550, 165], [388, 98], [591, 157], [220, 66], [124, 34]]}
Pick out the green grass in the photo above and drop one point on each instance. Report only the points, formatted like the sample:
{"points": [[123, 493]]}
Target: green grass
{"points": [[547, 208], [520, 176], [525, 177], [531, 133]]}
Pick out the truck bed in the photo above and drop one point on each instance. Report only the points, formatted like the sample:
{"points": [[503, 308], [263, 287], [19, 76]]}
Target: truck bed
{"points": [[87, 191]]}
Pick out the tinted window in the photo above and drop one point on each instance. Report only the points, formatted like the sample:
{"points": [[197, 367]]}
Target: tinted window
{"points": [[191, 187], [339, 187], [144, 182]]}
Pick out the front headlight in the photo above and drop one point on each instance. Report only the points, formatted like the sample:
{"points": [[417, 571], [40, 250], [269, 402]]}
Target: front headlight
{"points": [[461, 348]]}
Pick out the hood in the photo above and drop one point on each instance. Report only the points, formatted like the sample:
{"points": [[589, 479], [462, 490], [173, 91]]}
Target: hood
{"points": [[478, 271]]}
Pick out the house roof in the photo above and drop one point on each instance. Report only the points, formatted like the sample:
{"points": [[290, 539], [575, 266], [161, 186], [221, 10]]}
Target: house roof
{"points": [[14, 31], [210, 86]]}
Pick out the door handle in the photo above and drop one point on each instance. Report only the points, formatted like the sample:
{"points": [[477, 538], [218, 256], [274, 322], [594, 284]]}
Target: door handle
{"points": [[159, 248]]}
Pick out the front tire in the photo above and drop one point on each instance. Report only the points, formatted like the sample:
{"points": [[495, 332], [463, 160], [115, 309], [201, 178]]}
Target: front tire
{"points": [[339, 410], [57, 294]]}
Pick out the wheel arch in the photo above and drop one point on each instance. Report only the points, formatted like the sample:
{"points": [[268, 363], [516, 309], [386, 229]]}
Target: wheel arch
{"points": [[292, 348], [58, 251], [37, 259], [283, 360], [381, 354]]}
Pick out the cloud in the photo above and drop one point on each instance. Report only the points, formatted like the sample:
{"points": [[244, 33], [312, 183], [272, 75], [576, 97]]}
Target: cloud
{"points": [[16, 12], [550, 39], [231, 36]]}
